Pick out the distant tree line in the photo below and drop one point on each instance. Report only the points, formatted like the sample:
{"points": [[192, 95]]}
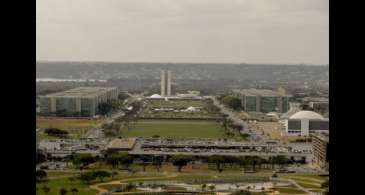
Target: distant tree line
{"points": [[56, 132]]}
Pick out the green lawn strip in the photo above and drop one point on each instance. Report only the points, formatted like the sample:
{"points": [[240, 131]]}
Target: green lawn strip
{"points": [[289, 190], [56, 184], [307, 181], [175, 128], [313, 178], [61, 173], [308, 185]]}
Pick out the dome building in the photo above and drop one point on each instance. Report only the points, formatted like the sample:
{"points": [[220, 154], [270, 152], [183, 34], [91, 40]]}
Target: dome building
{"points": [[155, 96], [305, 122]]}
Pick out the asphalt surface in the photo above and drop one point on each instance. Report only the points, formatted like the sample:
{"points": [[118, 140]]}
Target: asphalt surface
{"points": [[255, 137]]}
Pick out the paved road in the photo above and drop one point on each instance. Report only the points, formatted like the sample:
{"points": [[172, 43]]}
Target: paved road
{"points": [[236, 120]]}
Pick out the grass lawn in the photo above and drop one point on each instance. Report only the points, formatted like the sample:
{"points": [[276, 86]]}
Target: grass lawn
{"points": [[310, 182], [175, 128], [205, 112], [176, 103], [56, 184], [59, 179], [75, 127], [289, 190]]}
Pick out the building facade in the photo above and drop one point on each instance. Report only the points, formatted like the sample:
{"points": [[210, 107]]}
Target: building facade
{"points": [[253, 100], [320, 151], [166, 83], [303, 123], [82, 101]]}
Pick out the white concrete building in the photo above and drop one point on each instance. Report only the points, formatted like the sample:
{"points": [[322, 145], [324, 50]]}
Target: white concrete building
{"points": [[303, 123]]}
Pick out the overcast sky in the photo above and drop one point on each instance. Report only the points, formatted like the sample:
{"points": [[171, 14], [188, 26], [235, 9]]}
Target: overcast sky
{"points": [[250, 31]]}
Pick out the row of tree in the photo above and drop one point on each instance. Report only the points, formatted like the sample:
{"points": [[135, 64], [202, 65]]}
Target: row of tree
{"points": [[56, 132], [231, 101], [124, 160], [62, 191]]}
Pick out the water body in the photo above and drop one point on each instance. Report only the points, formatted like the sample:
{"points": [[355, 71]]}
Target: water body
{"points": [[68, 80]]}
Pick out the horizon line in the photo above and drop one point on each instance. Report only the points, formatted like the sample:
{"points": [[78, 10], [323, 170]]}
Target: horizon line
{"points": [[140, 62]]}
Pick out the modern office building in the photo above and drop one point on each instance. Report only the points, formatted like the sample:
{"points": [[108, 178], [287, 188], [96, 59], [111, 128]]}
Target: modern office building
{"points": [[320, 150], [165, 83], [254, 100], [303, 123], [81, 101]]}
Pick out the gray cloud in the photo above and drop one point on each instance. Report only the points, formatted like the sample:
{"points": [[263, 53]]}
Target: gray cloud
{"points": [[253, 31]]}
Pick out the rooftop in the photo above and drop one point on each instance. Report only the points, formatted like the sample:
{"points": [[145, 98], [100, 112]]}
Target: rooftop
{"points": [[258, 92], [305, 114], [122, 143], [82, 92]]}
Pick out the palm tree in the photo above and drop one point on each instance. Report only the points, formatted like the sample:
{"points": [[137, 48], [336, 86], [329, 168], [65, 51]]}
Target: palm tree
{"points": [[204, 186], [211, 187], [113, 174], [63, 191], [71, 179], [74, 191], [46, 189]]}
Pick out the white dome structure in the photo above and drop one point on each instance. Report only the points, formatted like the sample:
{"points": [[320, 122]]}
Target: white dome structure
{"points": [[305, 122], [155, 96], [191, 109], [306, 115]]}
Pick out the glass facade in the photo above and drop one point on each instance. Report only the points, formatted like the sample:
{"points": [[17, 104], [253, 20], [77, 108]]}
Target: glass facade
{"points": [[250, 103], [285, 104], [88, 106], [269, 104], [44, 104]]}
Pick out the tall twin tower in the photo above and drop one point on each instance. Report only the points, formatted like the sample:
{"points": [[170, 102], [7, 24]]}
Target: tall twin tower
{"points": [[165, 83]]}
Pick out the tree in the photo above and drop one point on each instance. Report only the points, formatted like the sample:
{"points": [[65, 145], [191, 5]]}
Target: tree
{"points": [[82, 160], [71, 179], [180, 161], [56, 132], [86, 177], [63, 191], [129, 187], [211, 187], [40, 157], [104, 108], [126, 159], [113, 160], [232, 102], [119, 159], [113, 174], [325, 184], [204, 186], [157, 162], [281, 160], [46, 189], [74, 191], [242, 192], [144, 162], [40, 175], [101, 174], [218, 161], [255, 160]]}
